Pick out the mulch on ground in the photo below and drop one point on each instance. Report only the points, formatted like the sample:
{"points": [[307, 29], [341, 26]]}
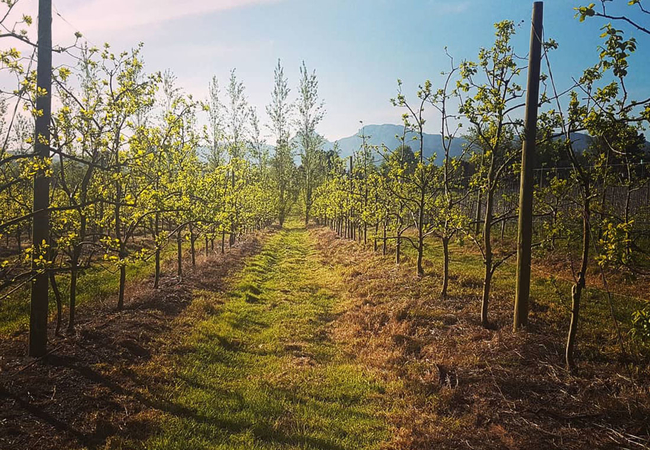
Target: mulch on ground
{"points": [[461, 386]]}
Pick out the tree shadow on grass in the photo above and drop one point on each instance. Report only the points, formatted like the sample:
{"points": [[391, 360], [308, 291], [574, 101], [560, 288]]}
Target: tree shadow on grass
{"points": [[262, 427]]}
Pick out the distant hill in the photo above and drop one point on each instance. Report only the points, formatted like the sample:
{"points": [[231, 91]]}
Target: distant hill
{"points": [[387, 135]]}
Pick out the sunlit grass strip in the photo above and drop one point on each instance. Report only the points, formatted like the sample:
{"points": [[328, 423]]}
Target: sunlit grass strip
{"points": [[261, 372]]}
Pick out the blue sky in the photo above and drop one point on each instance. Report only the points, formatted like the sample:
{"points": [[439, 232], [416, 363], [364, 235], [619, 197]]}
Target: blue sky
{"points": [[358, 47]]}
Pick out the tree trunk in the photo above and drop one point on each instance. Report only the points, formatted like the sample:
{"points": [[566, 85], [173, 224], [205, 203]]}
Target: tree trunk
{"points": [[120, 302], [59, 303], [376, 235], [282, 207], [420, 267], [445, 267], [487, 283], [478, 213], [118, 236], [487, 242], [577, 288], [628, 199], [179, 254], [156, 279], [307, 200], [74, 271], [192, 246], [398, 248]]}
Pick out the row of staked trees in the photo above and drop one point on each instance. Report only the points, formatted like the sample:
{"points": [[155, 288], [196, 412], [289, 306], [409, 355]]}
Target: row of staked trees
{"points": [[587, 202], [134, 168], [129, 171]]}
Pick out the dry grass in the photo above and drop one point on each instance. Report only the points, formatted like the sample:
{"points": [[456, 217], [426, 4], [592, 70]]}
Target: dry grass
{"points": [[458, 385]]}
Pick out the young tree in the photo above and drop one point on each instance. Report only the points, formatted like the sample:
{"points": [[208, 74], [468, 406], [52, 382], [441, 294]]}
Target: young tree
{"points": [[237, 115], [215, 130], [129, 90], [448, 219], [79, 131], [310, 113], [279, 111], [610, 116], [488, 109], [417, 191], [397, 171]]}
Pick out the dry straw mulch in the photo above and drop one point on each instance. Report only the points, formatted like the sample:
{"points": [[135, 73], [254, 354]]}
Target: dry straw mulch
{"points": [[456, 385]]}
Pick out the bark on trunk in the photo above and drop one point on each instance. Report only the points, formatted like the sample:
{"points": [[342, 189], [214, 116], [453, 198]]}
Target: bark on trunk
{"points": [[487, 242], [156, 279], [73, 295], [192, 246], [578, 287], [179, 254], [120, 303], [398, 249], [59, 303], [445, 267]]}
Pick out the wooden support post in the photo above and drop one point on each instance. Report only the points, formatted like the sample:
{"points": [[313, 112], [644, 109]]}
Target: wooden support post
{"points": [[525, 229], [41, 220]]}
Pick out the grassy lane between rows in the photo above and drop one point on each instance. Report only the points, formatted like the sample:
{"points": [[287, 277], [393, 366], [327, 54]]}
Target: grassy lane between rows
{"points": [[258, 369]]}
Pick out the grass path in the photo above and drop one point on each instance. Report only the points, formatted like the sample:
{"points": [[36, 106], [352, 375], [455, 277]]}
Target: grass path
{"points": [[260, 370]]}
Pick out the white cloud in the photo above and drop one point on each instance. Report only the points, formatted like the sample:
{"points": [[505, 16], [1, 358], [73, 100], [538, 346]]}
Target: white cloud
{"points": [[94, 16]]}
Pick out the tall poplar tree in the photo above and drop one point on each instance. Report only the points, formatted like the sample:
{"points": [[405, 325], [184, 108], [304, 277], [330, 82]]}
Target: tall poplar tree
{"points": [[279, 111], [311, 111]]}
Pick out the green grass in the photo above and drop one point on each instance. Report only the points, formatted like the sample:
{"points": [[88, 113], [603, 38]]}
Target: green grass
{"points": [[260, 371], [95, 285]]}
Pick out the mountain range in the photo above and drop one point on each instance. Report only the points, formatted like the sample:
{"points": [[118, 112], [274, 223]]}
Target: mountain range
{"points": [[387, 134]]}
